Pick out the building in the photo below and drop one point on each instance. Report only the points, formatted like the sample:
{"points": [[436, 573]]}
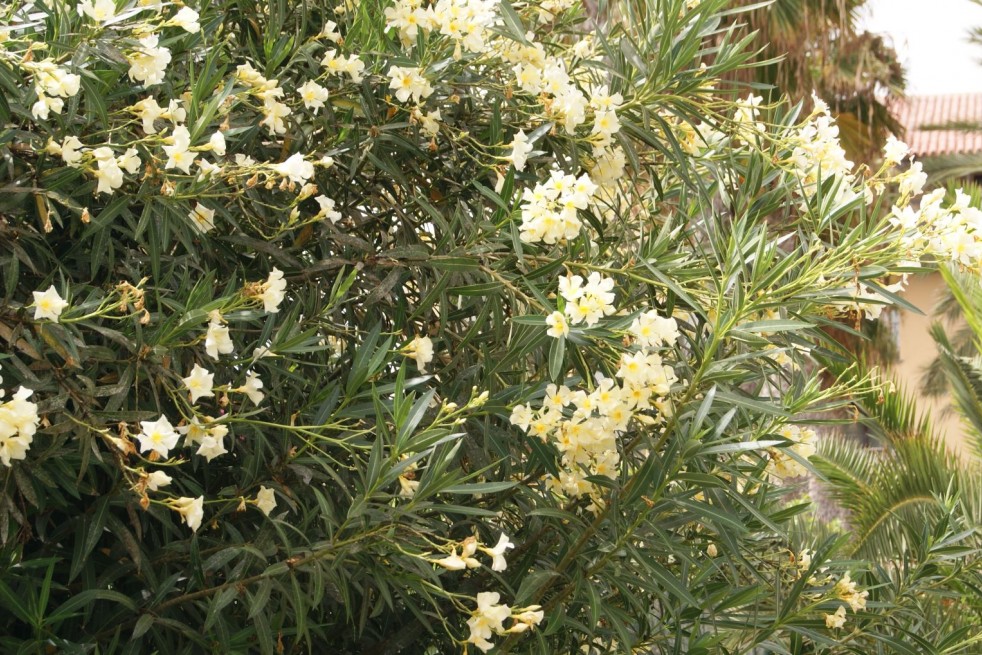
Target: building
{"points": [[925, 117]]}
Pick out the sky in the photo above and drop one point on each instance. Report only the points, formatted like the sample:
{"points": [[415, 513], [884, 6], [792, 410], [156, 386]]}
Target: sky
{"points": [[931, 39]]}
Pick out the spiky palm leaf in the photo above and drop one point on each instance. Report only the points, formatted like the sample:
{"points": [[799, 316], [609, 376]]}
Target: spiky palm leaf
{"points": [[963, 369], [934, 382], [964, 376], [911, 503], [948, 168], [912, 506], [892, 491]]}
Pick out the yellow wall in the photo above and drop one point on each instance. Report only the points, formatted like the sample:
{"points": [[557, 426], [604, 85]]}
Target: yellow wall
{"points": [[917, 350]]}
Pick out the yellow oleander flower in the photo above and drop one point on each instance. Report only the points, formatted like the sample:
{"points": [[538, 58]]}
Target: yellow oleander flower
{"points": [[48, 304], [190, 509], [420, 349], [265, 500], [18, 423], [199, 383], [558, 326], [157, 436], [837, 620]]}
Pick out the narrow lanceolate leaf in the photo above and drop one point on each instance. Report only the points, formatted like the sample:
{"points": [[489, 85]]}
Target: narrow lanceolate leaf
{"points": [[93, 527], [513, 22], [557, 352]]}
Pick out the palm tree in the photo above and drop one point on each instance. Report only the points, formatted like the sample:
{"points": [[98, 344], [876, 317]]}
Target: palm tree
{"points": [[817, 46], [911, 495]]}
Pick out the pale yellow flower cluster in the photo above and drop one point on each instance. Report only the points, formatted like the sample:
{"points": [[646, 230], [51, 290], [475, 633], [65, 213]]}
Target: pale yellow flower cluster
{"points": [[53, 84], [784, 462], [48, 305], [101, 162], [587, 303], [192, 510], [18, 417], [584, 425], [746, 118], [217, 338], [148, 62], [100, 10], [18, 423], [466, 23], [269, 92], [697, 140], [549, 10], [145, 27], [558, 86], [273, 291], [845, 590], [468, 548], [818, 157], [160, 437], [408, 82], [338, 65], [489, 617], [208, 434], [421, 350], [550, 211], [951, 232]]}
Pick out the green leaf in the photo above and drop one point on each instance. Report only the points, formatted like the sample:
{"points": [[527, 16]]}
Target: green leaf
{"points": [[455, 264], [479, 488], [86, 598], [93, 528], [738, 447], [513, 23], [14, 603], [672, 584], [531, 584], [259, 599], [412, 420], [557, 351], [143, 624], [775, 325]]}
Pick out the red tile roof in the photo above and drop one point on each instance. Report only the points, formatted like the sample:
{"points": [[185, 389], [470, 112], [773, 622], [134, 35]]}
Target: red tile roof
{"points": [[917, 113]]}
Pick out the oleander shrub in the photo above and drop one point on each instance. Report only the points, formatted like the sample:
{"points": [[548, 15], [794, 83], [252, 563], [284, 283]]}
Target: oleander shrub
{"points": [[427, 327]]}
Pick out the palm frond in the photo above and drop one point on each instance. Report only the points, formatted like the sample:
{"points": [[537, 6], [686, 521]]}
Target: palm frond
{"points": [[958, 357], [952, 126], [935, 380], [818, 47], [965, 381], [975, 33], [890, 492], [942, 168], [968, 294], [883, 406]]}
